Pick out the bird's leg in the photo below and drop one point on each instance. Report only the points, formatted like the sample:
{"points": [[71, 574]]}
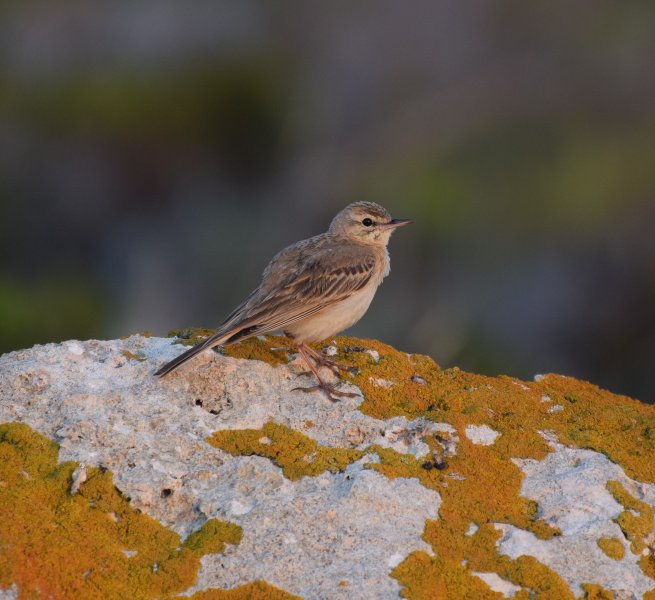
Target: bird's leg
{"points": [[333, 365], [329, 389]]}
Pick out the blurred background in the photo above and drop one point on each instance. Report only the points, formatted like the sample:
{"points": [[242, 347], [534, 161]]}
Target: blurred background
{"points": [[155, 155]]}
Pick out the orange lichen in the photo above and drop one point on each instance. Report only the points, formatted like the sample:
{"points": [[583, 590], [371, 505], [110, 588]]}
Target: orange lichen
{"points": [[258, 590], [459, 554], [617, 426], [612, 547], [427, 578], [637, 523], [465, 500], [486, 485], [92, 544]]}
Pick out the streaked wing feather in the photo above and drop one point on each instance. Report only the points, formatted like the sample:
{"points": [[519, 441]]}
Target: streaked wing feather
{"points": [[298, 297]]}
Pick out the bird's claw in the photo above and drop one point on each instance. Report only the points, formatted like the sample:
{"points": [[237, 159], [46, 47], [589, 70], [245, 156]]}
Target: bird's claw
{"points": [[335, 366]]}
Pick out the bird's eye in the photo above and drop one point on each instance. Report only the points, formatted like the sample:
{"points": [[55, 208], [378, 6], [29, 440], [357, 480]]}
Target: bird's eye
{"points": [[367, 222]]}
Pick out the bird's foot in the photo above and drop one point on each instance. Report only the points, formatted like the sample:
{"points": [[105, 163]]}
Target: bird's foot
{"points": [[334, 366], [323, 361], [330, 391]]}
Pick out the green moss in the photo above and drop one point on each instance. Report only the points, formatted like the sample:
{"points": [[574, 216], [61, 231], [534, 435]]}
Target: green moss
{"points": [[612, 547], [92, 544], [296, 454]]}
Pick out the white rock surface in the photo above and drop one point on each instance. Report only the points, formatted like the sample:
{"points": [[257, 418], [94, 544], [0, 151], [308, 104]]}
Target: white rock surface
{"points": [[10, 593], [570, 487], [106, 409], [482, 435], [498, 584], [317, 532]]}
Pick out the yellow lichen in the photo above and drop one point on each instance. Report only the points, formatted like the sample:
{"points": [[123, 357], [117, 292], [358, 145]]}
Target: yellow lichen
{"points": [[638, 525], [635, 527], [450, 569], [296, 454], [596, 592], [190, 336], [274, 350], [212, 537], [647, 563], [612, 547], [91, 544], [145, 334], [132, 356]]}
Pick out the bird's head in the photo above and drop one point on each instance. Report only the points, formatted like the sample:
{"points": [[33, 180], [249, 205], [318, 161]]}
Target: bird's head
{"points": [[366, 222]]}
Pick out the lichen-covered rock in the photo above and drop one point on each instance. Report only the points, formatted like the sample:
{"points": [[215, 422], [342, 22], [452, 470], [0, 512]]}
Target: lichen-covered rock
{"points": [[231, 484]]}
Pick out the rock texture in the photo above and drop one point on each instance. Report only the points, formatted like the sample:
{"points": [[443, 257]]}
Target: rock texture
{"points": [[429, 482]]}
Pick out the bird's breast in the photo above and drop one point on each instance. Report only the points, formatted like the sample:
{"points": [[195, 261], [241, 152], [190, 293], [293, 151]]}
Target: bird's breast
{"points": [[334, 318]]}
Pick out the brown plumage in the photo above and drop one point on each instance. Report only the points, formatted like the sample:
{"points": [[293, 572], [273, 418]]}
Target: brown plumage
{"points": [[314, 288]]}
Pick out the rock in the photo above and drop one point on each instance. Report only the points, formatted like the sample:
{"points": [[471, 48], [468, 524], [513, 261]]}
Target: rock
{"points": [[257, 488], [481, 434]]}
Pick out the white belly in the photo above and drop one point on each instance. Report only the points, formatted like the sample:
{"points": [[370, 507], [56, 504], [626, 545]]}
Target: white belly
{"points": [[334, 318]]}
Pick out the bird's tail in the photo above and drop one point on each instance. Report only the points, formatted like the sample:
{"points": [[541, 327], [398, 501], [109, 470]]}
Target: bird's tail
{"points": [[210, 342]]}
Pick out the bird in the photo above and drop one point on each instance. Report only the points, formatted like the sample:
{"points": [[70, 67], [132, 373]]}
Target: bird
{"points": [[314, 289]]}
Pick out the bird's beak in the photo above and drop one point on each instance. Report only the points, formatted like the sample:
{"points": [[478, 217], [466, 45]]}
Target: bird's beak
{"points": [[395, 223]]}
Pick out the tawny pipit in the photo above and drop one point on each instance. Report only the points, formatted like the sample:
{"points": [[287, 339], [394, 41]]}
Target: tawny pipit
{"points": [[314, 289]]}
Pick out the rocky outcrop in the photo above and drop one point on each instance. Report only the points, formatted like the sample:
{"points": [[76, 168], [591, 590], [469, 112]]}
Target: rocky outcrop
{"points": [[223, 481]]}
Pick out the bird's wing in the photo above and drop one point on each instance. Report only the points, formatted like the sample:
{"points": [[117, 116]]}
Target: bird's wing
{"points": [[297, 284]]}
